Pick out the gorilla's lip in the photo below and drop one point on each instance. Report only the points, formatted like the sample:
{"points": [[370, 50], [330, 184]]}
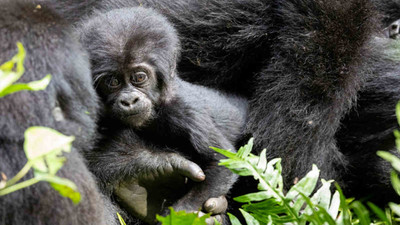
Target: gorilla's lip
{"points": [[132, 114]]}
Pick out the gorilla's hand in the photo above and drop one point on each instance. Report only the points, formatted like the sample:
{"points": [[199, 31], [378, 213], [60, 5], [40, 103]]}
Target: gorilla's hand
{"points": [[150, 192], [215, 206]]}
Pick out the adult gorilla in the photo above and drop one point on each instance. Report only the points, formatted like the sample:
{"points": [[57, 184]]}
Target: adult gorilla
{"points": [[68, 104], [315, 73], [321, 83]]}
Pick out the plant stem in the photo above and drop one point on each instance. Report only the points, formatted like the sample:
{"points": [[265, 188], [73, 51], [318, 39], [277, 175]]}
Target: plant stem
{"points": [[18, 186], [20, 174]]}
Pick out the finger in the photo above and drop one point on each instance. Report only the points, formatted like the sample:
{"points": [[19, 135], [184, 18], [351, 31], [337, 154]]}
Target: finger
{"points": [[216, 205], [211, 220], [188, 169]]}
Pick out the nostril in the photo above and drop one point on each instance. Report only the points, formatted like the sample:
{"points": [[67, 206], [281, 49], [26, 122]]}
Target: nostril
{"points": [[135, 100], [125, 103]]}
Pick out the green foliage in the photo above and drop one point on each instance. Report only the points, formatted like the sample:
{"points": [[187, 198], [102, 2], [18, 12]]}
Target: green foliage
{"points": [[299, 206], [12, 70], [182, 218], [43, 146], [395, 161]]}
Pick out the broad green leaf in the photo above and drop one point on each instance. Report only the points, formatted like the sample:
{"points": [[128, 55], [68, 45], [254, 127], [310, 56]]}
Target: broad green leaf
{"points": [[9, 73], [121, 220], [31, 86], [42, 142], [183, 218]]}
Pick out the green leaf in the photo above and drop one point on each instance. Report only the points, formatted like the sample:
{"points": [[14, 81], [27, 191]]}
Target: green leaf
{"points": [[64, 186], [43, 145], [335, 205], [258, 196], [322, 197], [121, 220], [250, 220], [390, 158], [31, 86], [379, 212], [226, 153], [394, 177], [362, 212], [395, 208], [8, 72], [234, 220], [306, 185], [397, 140], [344, 217], [183, 218], [245, 150]]}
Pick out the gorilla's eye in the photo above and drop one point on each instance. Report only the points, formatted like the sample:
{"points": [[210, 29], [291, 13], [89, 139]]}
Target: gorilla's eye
{"points": [[113, 82], [139, 77]]}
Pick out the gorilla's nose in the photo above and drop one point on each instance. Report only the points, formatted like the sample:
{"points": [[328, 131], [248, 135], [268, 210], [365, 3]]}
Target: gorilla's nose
{"points": [[128, 102]]}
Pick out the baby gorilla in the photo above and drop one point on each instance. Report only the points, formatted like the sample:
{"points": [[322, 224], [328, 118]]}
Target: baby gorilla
{"points": [[134, 52]]}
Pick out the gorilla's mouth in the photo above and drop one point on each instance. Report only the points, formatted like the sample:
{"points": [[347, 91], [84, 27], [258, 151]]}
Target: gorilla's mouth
{"points": [[135, 119]]}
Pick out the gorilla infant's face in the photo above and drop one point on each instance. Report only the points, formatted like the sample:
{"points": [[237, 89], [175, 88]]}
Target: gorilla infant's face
{"points": [[130, 94]]}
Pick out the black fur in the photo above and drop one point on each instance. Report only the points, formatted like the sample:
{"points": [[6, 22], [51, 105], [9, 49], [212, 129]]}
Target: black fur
{"points": [[50, 49], [184, 118]]}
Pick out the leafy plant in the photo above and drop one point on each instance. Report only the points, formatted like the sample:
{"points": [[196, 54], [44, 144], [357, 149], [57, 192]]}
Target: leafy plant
{"points": [[12, 70], [270, 205], [43, 146], [301, 205], [182, 218], [395, 161]]}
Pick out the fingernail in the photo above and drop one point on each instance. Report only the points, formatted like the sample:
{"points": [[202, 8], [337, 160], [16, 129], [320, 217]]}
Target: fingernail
{"points": [[211, 205], [201, 175]]}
